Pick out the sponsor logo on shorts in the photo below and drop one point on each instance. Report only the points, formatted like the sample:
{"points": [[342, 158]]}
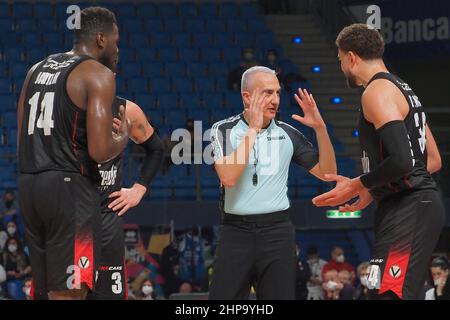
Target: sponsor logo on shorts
{"points": [[110, 268], [395, 271], [83, 262]]}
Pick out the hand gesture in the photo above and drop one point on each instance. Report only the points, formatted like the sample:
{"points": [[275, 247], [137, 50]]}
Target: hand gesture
{"points": [[312, 117]]}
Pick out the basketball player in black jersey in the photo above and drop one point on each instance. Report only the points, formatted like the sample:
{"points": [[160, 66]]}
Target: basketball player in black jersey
{"points": [[399, 155], [115, 201], [65, 128]]}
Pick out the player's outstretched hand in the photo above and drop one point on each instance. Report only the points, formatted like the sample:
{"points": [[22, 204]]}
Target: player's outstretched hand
{"points": [[345, 190], [363, 201]]}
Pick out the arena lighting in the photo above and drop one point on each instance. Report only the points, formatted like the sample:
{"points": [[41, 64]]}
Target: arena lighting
{"points": [[336, 214], [355, 133], [297, 40], [336, 100], [316, 69]]}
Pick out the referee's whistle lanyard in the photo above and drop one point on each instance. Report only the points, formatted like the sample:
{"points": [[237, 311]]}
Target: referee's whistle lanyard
{"points": [[256, 156]]}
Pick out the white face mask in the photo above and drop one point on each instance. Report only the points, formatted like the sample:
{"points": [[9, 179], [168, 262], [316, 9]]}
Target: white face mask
{"points": [[12, 248], [147, 290], [340, 258], [11, 230], [28, 292], [364, 281], [438, 282], [331, 285]]}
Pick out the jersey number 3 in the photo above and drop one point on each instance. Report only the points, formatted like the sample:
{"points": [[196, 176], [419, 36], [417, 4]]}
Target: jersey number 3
{"points": [[44, 120]]}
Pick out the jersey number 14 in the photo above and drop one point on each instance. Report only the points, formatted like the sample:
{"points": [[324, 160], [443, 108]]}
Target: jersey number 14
{"points": [[44, 120]]}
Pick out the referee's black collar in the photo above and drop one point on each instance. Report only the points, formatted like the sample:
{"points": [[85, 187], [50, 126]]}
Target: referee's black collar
{"points": [[245, 121]]}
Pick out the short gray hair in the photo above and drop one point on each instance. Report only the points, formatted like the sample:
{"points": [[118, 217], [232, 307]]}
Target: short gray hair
{"points": [[250, 72]]}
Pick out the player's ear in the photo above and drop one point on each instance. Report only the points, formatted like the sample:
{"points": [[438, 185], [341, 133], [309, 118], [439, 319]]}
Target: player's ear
{"points": [[246, 97], [353, 58], [100, 40]]}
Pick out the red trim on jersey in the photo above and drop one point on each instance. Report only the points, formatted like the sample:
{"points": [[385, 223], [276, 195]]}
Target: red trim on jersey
{"points": [[125, 281], [74, 145], [395, 272], [32, 289], [84, 258]]}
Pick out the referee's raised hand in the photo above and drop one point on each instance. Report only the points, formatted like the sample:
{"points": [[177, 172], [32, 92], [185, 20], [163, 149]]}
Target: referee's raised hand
{"points": [[255, 112]]}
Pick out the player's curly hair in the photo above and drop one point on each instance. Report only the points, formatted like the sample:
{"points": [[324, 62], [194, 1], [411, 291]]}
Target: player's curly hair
{"points": [[94, 20], [361, 39]]}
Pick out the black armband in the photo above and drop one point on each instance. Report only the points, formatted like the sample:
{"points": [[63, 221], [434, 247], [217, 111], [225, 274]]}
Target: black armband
{"points": [[154, 152], [399, 158]]}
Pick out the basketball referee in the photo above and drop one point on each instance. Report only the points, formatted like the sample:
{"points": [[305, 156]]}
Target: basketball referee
{"points": [[252, 153]]}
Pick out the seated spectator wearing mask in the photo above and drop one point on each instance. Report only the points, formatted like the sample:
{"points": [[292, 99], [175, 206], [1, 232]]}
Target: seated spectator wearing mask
{"points": [[338, 263], [17, 266], [27, 284], [439, 272], [273, 63], [348, 289], [315, 290], [331, 285], [362, 292], [235, 75], [8, 207], [147, 290]]}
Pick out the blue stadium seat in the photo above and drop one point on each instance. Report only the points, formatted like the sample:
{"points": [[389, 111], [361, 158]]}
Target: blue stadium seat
{"points": [[190, 100], [139, 40], [221, 84], [249, 9], [233, 99], [147, 10], [265, 39], [175, 69], [167, 10], [182, 84], [138, 84], [183, 193], [131, 69], [236, 25], [204, 84], [68, 40], [22, 10], [160, 84], [244, 39], [256, 25], [151, 69], [218, 68], [11, 40], [175, 118], [223, 39], [195, 25], [131, 25], [43, 10], [212, 100], [26, 25], [189, 54], [45, 25], [31, 39], [52, 39], [196, 69], [219, 114], [14, 54], [160, 193], [199, 115], [4, 10], [232, 54], [145, 54], [8, 102], [146, 101], [211, 55], [228, 10], [188, 10], [18, 70], [125, 10], [168, 54], [174, 25], [9, 119], [181, 39], [202, 40], [127, 54], [215, 25], [207, 10], [121, 84], [154, 25], [6, 24], [160, 40], [211, 193]]}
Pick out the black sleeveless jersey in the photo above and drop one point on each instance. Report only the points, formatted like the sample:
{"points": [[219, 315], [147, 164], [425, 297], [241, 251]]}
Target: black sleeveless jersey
{"points": [[53, 134], [111, 172], [373, 151]]}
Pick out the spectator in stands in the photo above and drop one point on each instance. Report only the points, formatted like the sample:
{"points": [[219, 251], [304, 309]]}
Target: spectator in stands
{"points": [[303, 274], [315, 290], [338, 263], [348, 290], [147, 290], [439, 271], [2, 281], [8, 207], [17, 267], [331, 285], [3, 239], [362, 292], [186, 288], [27, 288], [173, 281], [11, 229], [272, 63], [276, 7], [235, 75]]}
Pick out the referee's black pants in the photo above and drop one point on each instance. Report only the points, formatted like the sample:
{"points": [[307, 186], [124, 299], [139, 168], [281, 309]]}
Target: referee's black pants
{"points": [[255, 250]]}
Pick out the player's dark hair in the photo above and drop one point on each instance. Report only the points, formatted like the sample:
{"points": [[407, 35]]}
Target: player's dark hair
{"points": [[92, 21], [440, 262], [359, 38]]}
